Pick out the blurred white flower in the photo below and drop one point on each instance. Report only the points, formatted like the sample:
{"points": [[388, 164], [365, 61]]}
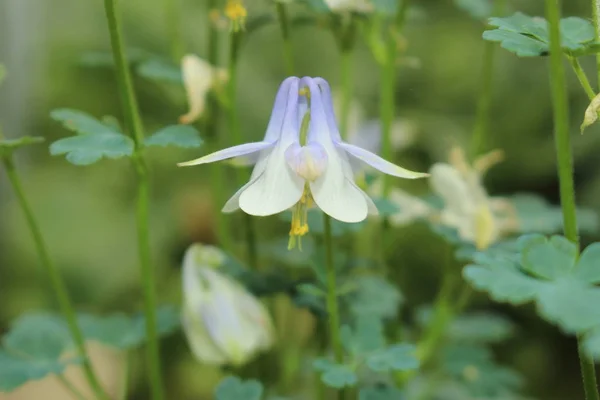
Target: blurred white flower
{"points": [[223, 322], [467, 207], [199, 77], [361, 6]]}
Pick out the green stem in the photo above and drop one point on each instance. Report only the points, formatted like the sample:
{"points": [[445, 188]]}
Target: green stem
{"points": [[484, 102], [346, 61], [565, 163], [70, 387], [124, 391], [596, 22], [135, 129], [173, 21], [388, 88], [56, 280], [582, 77], [284, 24], [332, 298]]}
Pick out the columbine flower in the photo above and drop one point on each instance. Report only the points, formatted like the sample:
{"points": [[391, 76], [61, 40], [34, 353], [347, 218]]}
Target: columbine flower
{"points": [[199, 77], [477, 217], [223, 322], [361, 6], [303, 161]]}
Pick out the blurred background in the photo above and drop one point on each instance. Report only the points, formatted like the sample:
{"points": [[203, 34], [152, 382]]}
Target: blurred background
{"points": [[87, 216]]}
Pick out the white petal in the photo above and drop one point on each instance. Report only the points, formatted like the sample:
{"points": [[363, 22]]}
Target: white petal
{"points": [[197, 80], [231, 152], [379, 163], [233, 204], [278, 187], [201, 344], [450, 185]]}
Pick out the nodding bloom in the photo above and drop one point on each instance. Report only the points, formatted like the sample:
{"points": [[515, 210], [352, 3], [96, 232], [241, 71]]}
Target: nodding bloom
{"points": [[199, 77], [477, 217], [302, 161], [361, 6], [224, 323]]}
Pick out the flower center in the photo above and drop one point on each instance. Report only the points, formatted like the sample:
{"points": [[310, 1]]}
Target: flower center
{"points": [[299, 226]]}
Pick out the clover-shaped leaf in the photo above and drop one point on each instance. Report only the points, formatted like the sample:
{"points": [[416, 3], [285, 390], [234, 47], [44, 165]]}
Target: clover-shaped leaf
{"points": [[175, 135], [478, 9], [161, 70], [33, 349], [480, 327], [400, 357], [474, 366], [233, 388], [528, 36], [367, 335], [335, 375], [549, 274], [127, 332], [94, 141]]}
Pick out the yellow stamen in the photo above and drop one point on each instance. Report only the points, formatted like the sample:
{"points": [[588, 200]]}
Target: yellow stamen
{"points": [[299, 225], [237, 13]]}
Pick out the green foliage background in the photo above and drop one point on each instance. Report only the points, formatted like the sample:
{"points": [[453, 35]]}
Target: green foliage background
{"points": [[87, 215]]}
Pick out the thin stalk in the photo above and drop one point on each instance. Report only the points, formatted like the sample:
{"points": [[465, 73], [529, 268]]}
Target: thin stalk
{"points": [[70, 387], [388, 89], [284, 24], [596, 22], [124, 391], [333, 312], [135, 129], [236, 136], [56, 280], [484, 101], [211, 127], [582, 77], [346, 64], [565, 164], [173, 21]]}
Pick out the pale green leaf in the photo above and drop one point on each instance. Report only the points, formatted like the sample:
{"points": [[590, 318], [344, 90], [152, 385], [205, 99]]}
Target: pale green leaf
{"points": [[80, 122], [233, 388], [549, 259], [480, 327], [335, 375], [588, 266], [400, 357], [478, 9], [380, 393], [175, 135], [90, 148], [160, 70]]}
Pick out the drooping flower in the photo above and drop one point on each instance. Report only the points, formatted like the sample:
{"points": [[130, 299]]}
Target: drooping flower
{"points": [[361, 6], [477, 217], [223, 322], [303, 161], [199, 77]]}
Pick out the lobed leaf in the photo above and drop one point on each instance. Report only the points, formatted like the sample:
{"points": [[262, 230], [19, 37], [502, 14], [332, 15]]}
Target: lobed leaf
{"points": [[81, 122], [233, 388], [160, 70], [335, 375], [88, 149], [400, 357], [184, 136]]}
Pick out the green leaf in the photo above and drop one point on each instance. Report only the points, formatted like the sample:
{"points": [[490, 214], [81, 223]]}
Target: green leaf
{"points": [[592, 343], [127, 332], [319, 6], [175, 135], [400, 357], [564, 294], [528, 36], [88, 149], [33, 349], [570, 304], [367, 336], [481, 327], [80, 122], [385, 207], [380, 393], [478, 9], [335, 375], [550, 259], [588, 266], [160, 70], [233, 388], [386, 7], [502, 279], [376, 297]]}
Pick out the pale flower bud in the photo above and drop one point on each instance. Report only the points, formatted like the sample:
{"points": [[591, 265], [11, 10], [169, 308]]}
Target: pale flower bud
{"points": [[223, 322]]}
